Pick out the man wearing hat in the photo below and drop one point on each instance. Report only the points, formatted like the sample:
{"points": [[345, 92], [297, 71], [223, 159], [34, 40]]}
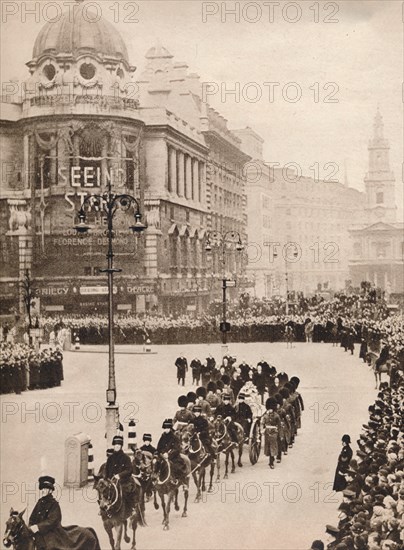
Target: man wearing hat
{"points": [[211, 397], [147, 446], [344, 459], [182, 366], [244, 414], [201, 426], [102, 470], [201, 401], [196, 371], [228, 413], [183, 416], [169, 447], [119, 468], [271, 425], [45, 522]]}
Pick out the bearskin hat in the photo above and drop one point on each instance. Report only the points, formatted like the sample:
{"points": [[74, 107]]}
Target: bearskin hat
{"points": [[295, 380], [271, 404], [201, 392], [284, 393], [226, 379], [279, 398], [290, 386], [191, 397], [211, 386], [182, 401], [219, 385]]}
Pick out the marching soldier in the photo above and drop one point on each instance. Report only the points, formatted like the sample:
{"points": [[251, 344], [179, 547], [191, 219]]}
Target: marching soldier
{"points": [[191, 398], [271, 424], [182, 366]]}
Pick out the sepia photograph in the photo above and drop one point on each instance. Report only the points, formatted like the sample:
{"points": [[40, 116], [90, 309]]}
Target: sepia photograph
{"points": [[202, 275]]}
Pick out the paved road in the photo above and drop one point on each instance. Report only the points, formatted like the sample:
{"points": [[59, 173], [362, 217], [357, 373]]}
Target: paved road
{"points": [[285, 508]]}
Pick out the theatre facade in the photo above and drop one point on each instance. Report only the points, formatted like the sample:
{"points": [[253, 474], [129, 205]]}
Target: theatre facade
{"points": [[82, 125]]}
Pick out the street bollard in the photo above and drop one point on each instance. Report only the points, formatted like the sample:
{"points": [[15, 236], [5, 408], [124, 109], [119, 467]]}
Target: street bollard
{"points": [[131, 444], [90, 462]]}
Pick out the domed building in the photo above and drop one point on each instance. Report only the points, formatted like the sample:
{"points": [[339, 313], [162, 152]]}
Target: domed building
{"points": [[84, 123]]}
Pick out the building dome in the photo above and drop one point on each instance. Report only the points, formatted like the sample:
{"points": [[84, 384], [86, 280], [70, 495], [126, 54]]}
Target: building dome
{"points": [[80, 31]]}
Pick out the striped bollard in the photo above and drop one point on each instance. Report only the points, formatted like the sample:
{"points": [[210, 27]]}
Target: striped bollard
{"points": [[77, 342], [132, 444], [90, 462]]}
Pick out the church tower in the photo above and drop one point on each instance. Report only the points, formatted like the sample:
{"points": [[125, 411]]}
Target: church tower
{"points": [[379, 181]]}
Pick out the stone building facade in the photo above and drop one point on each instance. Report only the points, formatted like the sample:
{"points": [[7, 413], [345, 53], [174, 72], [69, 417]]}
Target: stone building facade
{"points": [[84, 122]]}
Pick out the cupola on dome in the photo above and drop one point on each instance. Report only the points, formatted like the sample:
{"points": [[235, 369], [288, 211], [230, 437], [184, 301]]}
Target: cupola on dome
{"points": [[79, 31]]}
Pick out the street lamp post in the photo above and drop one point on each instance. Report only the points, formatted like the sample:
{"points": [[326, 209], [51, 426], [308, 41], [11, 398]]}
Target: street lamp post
{"points": [[110, 203], [222, 240], [295, 254]]}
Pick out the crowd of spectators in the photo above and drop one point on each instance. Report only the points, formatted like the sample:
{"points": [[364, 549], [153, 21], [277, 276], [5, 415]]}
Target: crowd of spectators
{"points": [[22, 368], [371, 514]]}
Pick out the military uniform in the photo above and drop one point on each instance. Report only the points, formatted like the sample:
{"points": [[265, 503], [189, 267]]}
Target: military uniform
{"points": [[119, 464], [171, 445], [226, 410], [244, 416]]}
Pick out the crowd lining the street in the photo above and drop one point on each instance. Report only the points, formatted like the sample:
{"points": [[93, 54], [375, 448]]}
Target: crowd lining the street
{"points": [[22, 368]]}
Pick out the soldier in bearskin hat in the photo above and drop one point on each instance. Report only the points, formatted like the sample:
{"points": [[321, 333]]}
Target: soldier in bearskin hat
{"points": [[202, 402], [183, 415], [212, 397], [271, 425]]}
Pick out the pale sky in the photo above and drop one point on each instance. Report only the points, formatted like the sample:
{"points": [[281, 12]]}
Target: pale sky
{"points": [[360, 58]]}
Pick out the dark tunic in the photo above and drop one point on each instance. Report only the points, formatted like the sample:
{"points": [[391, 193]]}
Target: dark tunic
{"points": [[244, 416], [52, 536], [342, 467]]}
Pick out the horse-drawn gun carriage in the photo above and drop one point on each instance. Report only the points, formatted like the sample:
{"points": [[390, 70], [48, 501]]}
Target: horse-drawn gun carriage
{"points": [[253, 399]]}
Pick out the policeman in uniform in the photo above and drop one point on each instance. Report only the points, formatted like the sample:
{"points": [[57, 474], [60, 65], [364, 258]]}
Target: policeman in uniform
{"points": [[228, 413], [244, 414], [119, 468], [201, 426], [169, 447]]}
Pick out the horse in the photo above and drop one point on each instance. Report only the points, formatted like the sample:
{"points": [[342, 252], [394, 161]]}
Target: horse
{"points": [[20, 536], [371, 359], [142, 468], [200, 460], [226, 445], [165, 484], [114, 511], [17, 533]]}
